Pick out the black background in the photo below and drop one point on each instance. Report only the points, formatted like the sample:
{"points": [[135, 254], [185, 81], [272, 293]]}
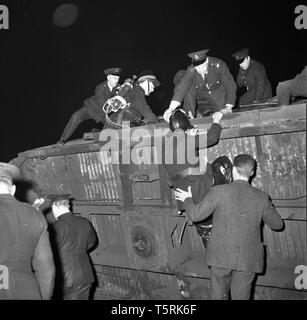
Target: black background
{"points": [[47, 71]]}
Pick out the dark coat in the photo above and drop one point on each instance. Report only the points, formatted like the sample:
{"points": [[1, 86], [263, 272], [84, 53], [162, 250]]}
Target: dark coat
{"points": [[255, 79], [200, 183], [184, 141], [24, 244], [138, 108], [95, 103], [218, 88], [239, 209], [72, 237]]}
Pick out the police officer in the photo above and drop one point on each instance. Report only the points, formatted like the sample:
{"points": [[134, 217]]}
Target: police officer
{"points": [[72, 237], [207, 86], [297, 87], [137, 107], [92, 107], [24, 245], [252, 81]]}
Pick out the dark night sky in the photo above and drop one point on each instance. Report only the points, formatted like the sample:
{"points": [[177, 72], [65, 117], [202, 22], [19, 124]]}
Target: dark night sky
{"points": [[47, 71]]}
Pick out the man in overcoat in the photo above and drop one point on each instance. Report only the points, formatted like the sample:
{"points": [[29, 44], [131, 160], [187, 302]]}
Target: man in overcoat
{"points": [[235, 250], [26, 258], [72, 237]]}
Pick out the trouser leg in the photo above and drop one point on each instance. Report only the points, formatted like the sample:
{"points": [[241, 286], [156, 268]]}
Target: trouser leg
{"points": [[77, 117], [189, 103], [78, 293], [283, 92], [206, 108], [220, 283], [241, 285]]}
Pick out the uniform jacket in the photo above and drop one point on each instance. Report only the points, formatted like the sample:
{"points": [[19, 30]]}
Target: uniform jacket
{"points": [[217, 88], [138, 108], [24, 244], [72, 237], [95, 103], [256, 81], [239, 209]]}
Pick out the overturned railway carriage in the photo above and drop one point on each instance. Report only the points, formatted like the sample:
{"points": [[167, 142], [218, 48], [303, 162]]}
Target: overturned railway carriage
{"points": [[146, 250]]}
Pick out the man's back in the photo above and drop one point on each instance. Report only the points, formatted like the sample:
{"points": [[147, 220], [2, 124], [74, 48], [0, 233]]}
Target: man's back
{"points": [[73, 237], [235, 241], [22, 230]]}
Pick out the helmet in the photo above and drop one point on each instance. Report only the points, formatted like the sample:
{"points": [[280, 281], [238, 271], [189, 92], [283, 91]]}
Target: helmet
{"points": [[179, 120]]}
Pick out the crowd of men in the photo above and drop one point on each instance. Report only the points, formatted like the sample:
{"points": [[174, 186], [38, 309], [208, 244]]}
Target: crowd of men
{"points": [[42, 261], [206, 86], [226, 210], [218, 198]]}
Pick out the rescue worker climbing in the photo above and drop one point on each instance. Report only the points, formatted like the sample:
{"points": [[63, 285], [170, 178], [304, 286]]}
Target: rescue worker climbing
{"points": [[136, 108]]}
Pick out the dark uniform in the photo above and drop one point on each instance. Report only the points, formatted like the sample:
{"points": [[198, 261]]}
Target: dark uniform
{"points": [[72, 238], [137, 108], [92, 107], [24, 248], [178, 76], [210, 93], [253, 83], [296, 87]]}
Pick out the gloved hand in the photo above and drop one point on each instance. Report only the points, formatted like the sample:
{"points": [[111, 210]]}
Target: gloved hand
{"points": [[217, 116], [167, 114], [227, 109]]}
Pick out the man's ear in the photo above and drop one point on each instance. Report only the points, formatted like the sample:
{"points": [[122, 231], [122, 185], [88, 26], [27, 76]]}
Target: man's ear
{"points": [[13, 190]]}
